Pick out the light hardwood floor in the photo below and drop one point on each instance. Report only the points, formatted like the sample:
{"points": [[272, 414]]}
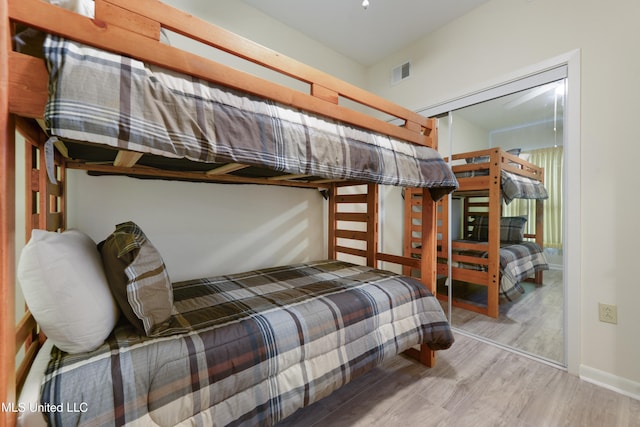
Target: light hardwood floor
{"points": [[532, 323], [473, 384]]}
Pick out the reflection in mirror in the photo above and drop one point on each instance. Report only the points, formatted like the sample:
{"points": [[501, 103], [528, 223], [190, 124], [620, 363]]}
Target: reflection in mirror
{"points": [[505, 259]]}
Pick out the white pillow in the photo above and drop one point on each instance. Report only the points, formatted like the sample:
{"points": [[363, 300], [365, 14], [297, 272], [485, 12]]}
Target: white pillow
{"points": [[65, 287], [83, 7]]}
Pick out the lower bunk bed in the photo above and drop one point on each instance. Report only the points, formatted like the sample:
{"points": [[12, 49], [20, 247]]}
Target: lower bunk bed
{"points": [[242, 349], [518, 262]]}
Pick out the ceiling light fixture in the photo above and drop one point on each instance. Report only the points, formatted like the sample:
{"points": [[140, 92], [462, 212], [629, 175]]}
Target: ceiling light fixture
{"points": [[365, 4]]}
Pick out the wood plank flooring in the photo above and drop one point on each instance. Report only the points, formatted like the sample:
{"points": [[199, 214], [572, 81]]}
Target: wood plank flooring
{"points": [[473, 384], [532, 323]]}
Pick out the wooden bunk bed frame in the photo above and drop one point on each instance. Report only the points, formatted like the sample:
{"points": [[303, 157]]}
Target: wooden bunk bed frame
{"points": [[481, 194], [133, 29]]}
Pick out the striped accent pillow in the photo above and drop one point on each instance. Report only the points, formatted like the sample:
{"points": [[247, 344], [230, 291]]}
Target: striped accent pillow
{"points": [[511, 229], [138, 278]]}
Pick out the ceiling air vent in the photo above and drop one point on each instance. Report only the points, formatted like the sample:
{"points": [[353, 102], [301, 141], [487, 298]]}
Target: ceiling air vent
{"points": [[401, 72]]}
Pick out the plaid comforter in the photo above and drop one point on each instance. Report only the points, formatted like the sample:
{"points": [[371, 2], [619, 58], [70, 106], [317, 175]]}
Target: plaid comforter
{"points": [[521, 187], [517, 262], [514, 186], [255, 347], [103, 98]]}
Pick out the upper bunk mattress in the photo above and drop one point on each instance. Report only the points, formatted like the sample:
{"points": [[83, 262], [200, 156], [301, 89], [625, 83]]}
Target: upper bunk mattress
{"points": [[514, 186], [105, 98]]}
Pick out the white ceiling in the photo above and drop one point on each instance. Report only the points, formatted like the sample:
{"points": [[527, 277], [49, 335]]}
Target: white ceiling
{"points": [[365, 35], [538, 105]]}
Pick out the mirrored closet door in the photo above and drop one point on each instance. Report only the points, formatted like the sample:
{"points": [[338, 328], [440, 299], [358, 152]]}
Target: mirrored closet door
{"points": [[528, 125]]}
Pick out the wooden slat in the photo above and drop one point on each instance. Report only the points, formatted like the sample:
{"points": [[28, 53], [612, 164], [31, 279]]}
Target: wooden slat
{"points": [[471, 260], [352, 216], [351, 251], [126, 159], [25, 365], [288, 177], [472, 184], [228, 168], [465, 305], [34, 180], [192, 176], [352, 235], [54, 189], [55, 221], [24, 329], [27, 85], [469, 246], [351, 198], [123, 18], [329, 181], [400, 260], [324, 93], [29, 128], [443, 269]]}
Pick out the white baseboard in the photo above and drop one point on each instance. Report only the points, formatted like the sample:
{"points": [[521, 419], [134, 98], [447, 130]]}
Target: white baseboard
{"points": [[609, 381]]}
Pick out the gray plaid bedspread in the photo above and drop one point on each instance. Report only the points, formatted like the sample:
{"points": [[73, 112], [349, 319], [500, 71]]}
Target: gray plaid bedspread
{"points": [[109, 99], [517, 262], [514, 186], [521, 187], [256, 347]]}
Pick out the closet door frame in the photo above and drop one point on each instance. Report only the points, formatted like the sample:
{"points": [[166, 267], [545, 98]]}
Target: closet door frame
{"points": [[566, 65]]}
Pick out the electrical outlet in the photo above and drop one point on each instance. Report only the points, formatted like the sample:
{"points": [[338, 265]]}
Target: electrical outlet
{"points": [[608, 313]]}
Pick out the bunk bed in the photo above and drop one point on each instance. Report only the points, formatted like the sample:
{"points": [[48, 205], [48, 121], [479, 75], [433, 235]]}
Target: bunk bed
{"points": [[491, 250], [248, 348]]}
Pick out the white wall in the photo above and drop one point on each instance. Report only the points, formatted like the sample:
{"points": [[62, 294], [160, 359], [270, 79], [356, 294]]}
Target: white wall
{"points": [[505, 36], [204, 229], [252, 24]]}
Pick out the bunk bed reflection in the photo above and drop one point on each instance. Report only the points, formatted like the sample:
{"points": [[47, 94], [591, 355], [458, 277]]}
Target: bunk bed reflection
{"points": [[493, 251]]}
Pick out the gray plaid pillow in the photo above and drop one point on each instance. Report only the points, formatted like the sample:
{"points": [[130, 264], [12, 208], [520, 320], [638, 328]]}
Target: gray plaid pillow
{"points": [[511, 229], [485, 159], [137, 278]]}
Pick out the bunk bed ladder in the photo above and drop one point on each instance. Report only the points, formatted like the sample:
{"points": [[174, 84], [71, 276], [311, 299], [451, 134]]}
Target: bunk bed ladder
{"points": [[353, 232], [353, 221]]}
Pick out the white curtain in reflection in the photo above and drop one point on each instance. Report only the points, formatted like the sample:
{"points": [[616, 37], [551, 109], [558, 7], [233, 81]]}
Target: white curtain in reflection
{"points": [[551, 159]]}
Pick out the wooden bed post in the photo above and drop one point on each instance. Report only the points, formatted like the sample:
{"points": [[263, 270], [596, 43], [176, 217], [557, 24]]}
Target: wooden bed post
{"points": [[406, 229], [495, 211], [429, 242], [539, 233], [372, 224], [7, 269], [332, 240], [7, 230], [428, 270]]}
